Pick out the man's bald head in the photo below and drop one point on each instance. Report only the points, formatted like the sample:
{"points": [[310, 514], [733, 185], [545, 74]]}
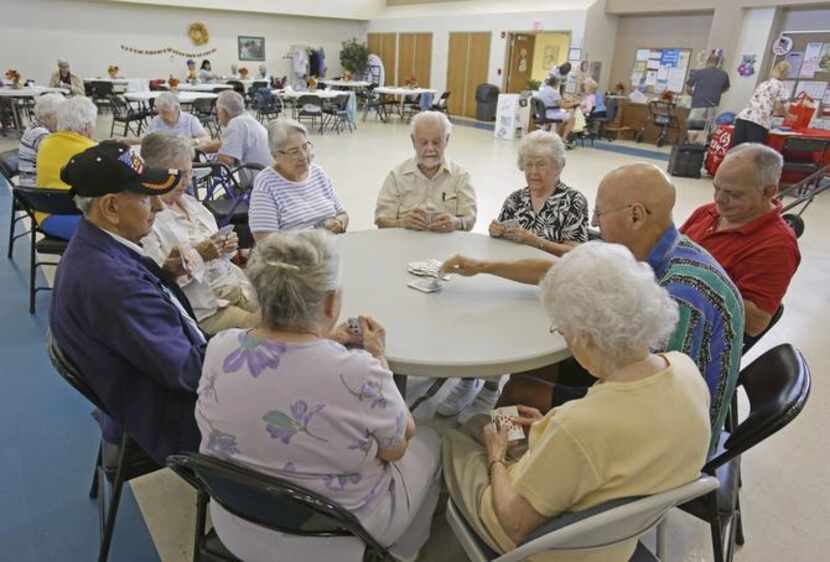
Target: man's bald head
{"points": [[634, 206]]}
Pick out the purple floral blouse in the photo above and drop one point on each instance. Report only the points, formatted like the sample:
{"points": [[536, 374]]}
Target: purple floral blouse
{"points": [[313, 413]]}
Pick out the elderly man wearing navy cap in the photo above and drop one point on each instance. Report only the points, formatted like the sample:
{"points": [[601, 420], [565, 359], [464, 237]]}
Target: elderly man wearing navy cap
{"points": [[128, 330]]}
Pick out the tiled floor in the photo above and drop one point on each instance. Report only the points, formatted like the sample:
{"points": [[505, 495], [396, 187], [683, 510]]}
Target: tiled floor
{"points": [[785, 480]]}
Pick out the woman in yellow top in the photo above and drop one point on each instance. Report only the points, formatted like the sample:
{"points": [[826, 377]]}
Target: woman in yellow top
{"points": [[642, 429], [76, 124]]}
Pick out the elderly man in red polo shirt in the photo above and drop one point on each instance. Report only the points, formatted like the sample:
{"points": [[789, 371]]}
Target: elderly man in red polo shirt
{"points": [[744, 231]]}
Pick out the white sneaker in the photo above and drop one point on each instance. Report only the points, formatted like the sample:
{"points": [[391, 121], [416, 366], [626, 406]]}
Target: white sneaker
{"points": [[483, 403], [459, 397]]}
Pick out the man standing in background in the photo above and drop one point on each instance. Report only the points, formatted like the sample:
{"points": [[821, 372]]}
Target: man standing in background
{"points": [[706, 86]]}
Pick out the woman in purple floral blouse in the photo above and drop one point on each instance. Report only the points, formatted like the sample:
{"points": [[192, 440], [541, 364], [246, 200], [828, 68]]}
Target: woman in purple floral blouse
{"points": [[289, 399]]}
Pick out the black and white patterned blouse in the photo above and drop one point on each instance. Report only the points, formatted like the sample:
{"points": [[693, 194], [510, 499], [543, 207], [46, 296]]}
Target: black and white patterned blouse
{"points": [[563, 217]]}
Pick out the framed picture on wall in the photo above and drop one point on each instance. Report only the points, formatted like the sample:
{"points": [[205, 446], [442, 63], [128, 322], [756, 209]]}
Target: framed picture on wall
{"points": [[251, 48]]}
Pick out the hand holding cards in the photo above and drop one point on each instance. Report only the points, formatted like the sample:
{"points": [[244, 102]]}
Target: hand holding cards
{"points": [[503, 417]]}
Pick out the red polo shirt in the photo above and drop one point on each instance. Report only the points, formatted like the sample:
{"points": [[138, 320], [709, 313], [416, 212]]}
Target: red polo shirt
{"points": [[761, 256]]}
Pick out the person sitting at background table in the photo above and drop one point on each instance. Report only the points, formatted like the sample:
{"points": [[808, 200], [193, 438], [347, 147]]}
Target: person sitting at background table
{"points": [[244, 139], [293, 193], [642, 429], [551, 216], [289, 400], [192, 74], [634, 208], [45, 121], [769, 99], [263, 74], [63, 78], [556, 107], [205, 73], [172, 120], [427, 192], [234, 72], [744, 231], [77, 117], [186, 230]]}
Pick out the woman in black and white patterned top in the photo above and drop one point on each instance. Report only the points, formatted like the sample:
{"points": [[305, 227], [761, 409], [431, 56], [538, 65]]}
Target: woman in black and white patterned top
{"points": [[547, 214]]}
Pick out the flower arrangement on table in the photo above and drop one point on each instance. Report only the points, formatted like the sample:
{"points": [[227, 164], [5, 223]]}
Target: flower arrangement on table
{"points": [[619, 89], [112, 70], [243, 73], [411, 82], [311, 83], [14, 77], [667, 96]]}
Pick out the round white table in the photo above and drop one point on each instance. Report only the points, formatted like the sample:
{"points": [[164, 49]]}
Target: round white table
{"points": [[350, 84], [481, 326], [203, 87], [27, 92], [184, 97], [294, 94], [125, 84]]}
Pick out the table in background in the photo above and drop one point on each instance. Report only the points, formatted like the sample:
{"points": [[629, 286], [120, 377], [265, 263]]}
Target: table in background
{"points": [[347, 84], [403, 93], [29, 92], [481, 326], [184, 97], [124, 84], [203, 87], [635, 116]]}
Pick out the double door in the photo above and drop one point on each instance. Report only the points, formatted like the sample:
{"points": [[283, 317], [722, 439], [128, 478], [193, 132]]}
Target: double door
{"points": [[467, 67]]}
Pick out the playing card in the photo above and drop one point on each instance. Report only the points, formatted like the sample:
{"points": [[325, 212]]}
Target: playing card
{"points": [[428, 268], [504, 417], [425, 285]]}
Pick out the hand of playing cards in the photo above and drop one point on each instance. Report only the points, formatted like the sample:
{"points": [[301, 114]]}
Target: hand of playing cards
{"points": [[503, 417], [427, 268]]}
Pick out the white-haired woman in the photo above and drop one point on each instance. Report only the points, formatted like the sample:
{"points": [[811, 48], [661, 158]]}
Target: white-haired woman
{"points": [[185, 232], [769, 99], [288, 399], [643, 429], [547, 214], [172, 120], [294, 193], [45, 122], [77, 117]]}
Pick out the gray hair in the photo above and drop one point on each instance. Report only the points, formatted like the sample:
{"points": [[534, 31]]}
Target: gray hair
{"points": [[600, 290], [231, 102], [279, 129], [542, 143], [77, 114], [63, 61], [84, 204], [47, 105], [162, 150], [780, 70], [292, 272], [168, 100], [433, 116], [766, 162]]}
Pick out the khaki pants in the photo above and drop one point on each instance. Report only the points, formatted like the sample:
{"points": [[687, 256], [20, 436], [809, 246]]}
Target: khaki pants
{"points": [[243, 312]]}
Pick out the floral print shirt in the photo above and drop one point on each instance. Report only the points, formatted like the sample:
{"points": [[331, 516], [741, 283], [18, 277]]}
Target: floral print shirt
{"points": [[563, 217], [762, 103], [312, 413]]}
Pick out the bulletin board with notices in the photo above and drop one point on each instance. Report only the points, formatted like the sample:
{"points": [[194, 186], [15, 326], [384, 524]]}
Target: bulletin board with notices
{"points": [[809, 61], [661, 69]]}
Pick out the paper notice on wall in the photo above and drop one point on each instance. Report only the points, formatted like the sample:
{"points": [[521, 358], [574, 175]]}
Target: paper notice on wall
{"points": [[815, 90], [653, 64], [663, 73], [812, 57], [640, 66], [826, 99], [642, 54], [636, 78], [789, 85], [651, 78], [795, 59], [660, 87], [655, 55], [675, 79]]}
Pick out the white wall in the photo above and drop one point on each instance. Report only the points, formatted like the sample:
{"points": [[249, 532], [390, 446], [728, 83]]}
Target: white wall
{"points": [[806, 20], [34, 33], [600, 39], [754, 38], [347, 9], [442, 21]]}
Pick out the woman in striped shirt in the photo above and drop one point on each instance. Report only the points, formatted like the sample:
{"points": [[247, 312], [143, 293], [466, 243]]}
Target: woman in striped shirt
{"points": [[45, 122], [293, 194]]}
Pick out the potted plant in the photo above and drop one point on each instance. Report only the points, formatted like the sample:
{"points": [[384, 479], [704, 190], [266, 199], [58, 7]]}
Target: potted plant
{"points": [[14, 77], [354, 58], [533, 85], [112, 70]]}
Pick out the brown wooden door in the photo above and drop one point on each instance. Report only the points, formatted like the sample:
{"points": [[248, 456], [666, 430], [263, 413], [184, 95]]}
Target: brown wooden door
{"points": [[521, 62], [406, 57], [457, 72], [384, 45], [423, 59], [478, 61]]}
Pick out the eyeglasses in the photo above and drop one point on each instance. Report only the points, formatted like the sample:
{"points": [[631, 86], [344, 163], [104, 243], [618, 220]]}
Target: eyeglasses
{"points": [[598, 213], [299, 152]]}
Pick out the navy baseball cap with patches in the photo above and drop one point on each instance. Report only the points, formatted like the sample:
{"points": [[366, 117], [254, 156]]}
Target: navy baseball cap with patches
{"points": [[110, 167]]}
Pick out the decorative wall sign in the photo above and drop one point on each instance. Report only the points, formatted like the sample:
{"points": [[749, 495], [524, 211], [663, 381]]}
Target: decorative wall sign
{"points": [[198, 33], [166, 51], [782, 45], [747, 66]]}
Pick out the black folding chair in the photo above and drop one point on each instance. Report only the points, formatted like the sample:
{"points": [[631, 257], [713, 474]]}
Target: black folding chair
{"points": [[338, 113], [441, 104], [266, 105], [662, 115], [227, 193], [539, 113], [373, 101], [777, 384], [131, 462], [267, 501], [8, 169], [205, 111], [100, 92], [43, 200], [310, 107], [131, 120]]}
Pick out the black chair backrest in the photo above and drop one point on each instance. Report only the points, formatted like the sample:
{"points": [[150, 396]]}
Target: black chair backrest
{"points": [[306, 99], [266, 500], [237, 86], [612, 106], [537, 108], [101, 89], [777, 384], [69, 372], [750, 341], [805, 144], [204, 106], [46, 200], [120, 107], [8, 164]]}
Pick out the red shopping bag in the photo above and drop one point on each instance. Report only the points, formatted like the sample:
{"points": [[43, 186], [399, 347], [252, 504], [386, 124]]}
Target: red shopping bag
{"points": [[800, 112], [718, 147]]}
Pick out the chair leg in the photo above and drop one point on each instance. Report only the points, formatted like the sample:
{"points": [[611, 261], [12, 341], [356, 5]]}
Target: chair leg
{"points": [[663, 541], [739, 522], [717, 530], [32, 272], [12, 224], [117, 486], [201, 517], [93, 490]]}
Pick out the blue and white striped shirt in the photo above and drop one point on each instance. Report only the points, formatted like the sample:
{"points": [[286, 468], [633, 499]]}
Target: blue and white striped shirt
{"points": [[279, 204]]}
